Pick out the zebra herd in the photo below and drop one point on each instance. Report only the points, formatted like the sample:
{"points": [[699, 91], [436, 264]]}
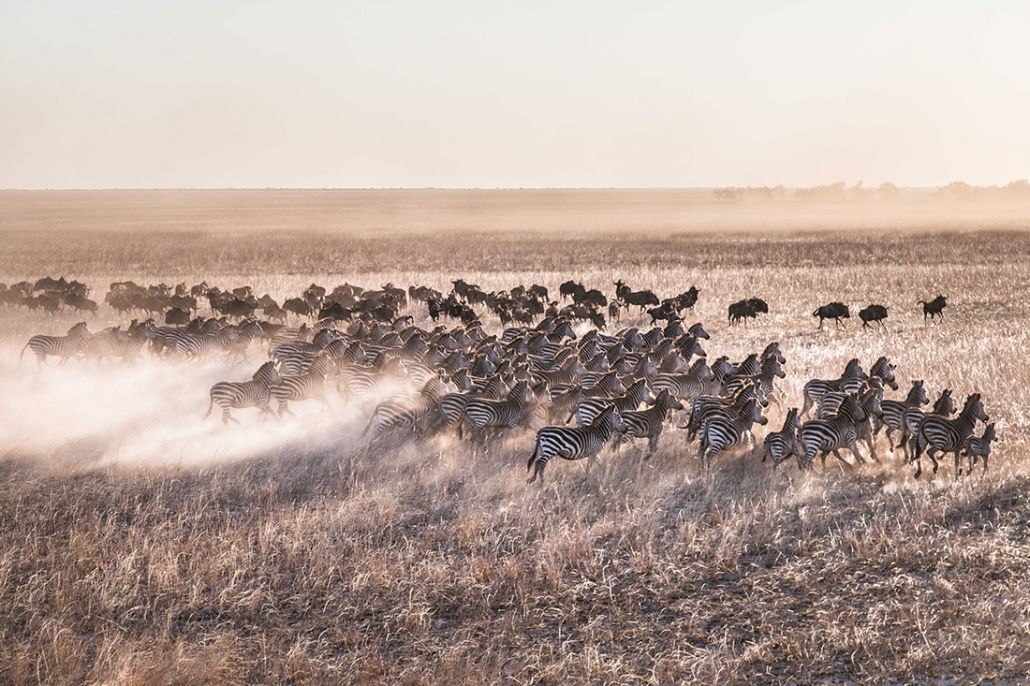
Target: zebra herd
{"points": [[460, 380]]}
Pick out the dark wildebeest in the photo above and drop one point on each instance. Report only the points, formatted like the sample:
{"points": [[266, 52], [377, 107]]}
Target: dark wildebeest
{"points": [[81, 303], [177, 317], [873, 313], [336, 311], [745, 309], [298, 306], [934, 308], [570, 288], [835, 311]]}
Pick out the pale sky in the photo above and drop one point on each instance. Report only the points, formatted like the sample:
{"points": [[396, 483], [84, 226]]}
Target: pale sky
{"points": [[216, 94]]}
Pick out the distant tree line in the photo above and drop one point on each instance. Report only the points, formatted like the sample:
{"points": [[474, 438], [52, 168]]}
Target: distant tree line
{"points": [[840, 192]]}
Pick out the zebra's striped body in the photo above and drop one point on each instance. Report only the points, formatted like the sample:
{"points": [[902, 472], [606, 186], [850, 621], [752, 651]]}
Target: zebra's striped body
{"points": [[589, 408], [975, 448], [830, 435], [58, 346], [512, 412], [706, 407], [769, 370], [699, 380], [307, 386], [939, 434], [944, 406], [241, 394], [894, 411], [779, 445], [571, 443], [647, 423], [720, 433], [849, 382], [416, 415]]}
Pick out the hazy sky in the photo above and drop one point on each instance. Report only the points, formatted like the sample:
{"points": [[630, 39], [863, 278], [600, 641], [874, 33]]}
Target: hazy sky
{"points": [[453, 94]]}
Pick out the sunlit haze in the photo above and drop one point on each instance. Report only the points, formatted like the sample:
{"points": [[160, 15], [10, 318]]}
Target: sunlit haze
{"points": [[485, 95]]}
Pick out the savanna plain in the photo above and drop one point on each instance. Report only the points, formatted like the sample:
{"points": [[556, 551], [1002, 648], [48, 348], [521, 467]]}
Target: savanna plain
{"points": [[142, 545]]}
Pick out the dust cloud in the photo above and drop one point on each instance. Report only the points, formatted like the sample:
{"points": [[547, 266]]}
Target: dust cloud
{"points": [[88, 414]]}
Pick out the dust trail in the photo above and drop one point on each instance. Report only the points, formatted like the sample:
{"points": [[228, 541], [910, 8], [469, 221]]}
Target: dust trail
{"points": [[149, 412]]}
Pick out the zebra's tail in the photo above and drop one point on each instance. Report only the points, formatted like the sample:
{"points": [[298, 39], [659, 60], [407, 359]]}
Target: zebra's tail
{"points": [[532, 458], [22, 353], [209, 408]]}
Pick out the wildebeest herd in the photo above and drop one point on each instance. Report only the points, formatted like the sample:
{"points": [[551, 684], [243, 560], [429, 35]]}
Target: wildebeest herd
{"points": [[456, 378]]}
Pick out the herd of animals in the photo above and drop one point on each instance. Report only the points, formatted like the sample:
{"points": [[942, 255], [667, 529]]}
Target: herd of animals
{"points": [[457, 378]]}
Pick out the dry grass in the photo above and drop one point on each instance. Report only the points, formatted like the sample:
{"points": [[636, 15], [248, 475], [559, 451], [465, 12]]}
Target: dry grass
{"points": [[311, 560]]}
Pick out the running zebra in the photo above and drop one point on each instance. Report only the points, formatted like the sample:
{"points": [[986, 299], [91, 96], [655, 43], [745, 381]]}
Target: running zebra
{"points": [[938, 434], [769, 370], [779, 445], [241, 394], [589, 408], [849, 382], [944, 406], [830, 435], [514, 411], [699, 380], [571, 443], [720, 433], [894, 411], [307, 386], [705, 407], [58, 346], [647, 423], [977, 447], [417, 415], [884, 371]]}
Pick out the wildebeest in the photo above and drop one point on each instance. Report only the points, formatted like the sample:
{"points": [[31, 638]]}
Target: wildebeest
{"points": [[934, 308], [745, 309], [835, 311], [873, 313], [298, 306], [177, 317]]}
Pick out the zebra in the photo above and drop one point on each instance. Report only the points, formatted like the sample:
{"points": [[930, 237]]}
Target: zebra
{"points": [[64, 347], [571, 443], [417, 415], [565, 403], [647, 423], [720, 433], [830, 435], [977, 447], [849, 382], [589, 408], [240, 394], [779, 445], [770, 370], [704, 407], [944, 406], [894, 411], [606, 386], [515, 410], [947, 435], [309, 385], [699, 380], [884, 370]]}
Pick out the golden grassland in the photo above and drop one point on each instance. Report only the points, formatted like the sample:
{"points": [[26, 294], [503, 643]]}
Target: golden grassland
{"points": [[141, 546]]}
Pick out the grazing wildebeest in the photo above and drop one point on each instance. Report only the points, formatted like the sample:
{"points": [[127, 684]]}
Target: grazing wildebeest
{"points": [[835, 311], [873, 313], [934, 308]]}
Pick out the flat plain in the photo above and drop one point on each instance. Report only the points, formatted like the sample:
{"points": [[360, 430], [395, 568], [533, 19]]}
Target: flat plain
{"points": [[141, 545]]}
